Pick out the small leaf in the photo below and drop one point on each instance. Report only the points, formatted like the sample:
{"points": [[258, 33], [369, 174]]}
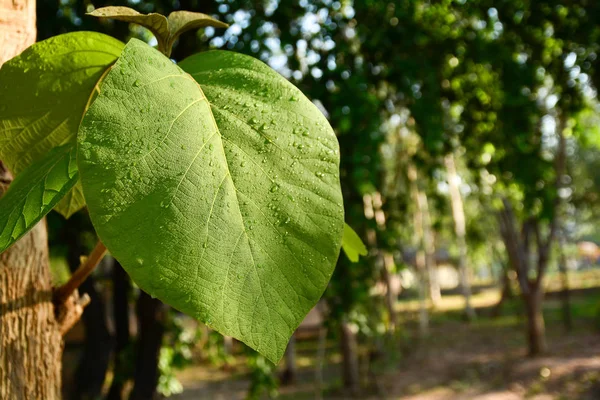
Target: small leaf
{"points": [[166, 30], [182, 21], [222, 201], [156, 23], [352, 245], [47, 89], [35, 191]]}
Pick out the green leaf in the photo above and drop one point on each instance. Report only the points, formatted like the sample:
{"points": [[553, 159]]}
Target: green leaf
{"points": [[35, 191], [225, 204], [166, 30], [156, 23], [352, 245], [183, 21], [47, 89]]}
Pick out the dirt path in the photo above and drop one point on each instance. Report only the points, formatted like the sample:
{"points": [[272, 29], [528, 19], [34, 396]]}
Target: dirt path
{"points": [[485, 360]]}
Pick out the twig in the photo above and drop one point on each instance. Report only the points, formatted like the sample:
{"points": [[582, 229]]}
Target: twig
{"points": [[70, 312], [86, 267]]}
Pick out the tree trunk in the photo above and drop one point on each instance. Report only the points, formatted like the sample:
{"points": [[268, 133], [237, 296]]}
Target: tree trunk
{"points": [[565, 294], [458, 214], [17, 27], [420, 256], [30, 340], [531, 289], [506, 293], [390, 294], [349, 358], [151, 314], [435, 293], [519, 250], [121, 289], [536, 330]]}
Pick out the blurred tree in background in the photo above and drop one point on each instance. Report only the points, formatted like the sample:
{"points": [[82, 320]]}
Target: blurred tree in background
{"points": [[464, 125]]}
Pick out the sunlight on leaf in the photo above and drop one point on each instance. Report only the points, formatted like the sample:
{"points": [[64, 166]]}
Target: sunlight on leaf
{"points": [[220, 196], [352, 245]]}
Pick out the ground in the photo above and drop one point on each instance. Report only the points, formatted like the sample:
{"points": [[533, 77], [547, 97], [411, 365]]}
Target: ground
{"points": [[484, 360]]}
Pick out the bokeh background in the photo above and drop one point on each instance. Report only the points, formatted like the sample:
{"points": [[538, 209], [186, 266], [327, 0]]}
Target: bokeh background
{"points": [[470, 158]]}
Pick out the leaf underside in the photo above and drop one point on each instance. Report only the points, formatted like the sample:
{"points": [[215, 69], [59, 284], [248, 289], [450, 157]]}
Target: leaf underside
{"points": [[220, 197], [35, 192], [352, 245], [48, 87], [166, 30]]}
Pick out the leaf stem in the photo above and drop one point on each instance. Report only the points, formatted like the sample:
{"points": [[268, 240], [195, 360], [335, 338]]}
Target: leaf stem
{"points": [[62, 293]]}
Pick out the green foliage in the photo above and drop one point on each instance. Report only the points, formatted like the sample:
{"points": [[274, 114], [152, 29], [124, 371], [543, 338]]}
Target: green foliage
{"points": [[262, 377], [175, 354], [208, 197], [48, 88], [352, 245], [165, 29], [35, 192]]}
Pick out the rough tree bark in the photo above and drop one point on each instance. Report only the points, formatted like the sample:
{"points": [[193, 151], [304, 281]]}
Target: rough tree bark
{"points": [[458, 214], [30, 337], [30, 340], [17, 27]]}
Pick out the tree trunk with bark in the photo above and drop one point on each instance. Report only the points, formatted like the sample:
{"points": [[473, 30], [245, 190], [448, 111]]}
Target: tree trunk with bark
{"points": [[520, 254], [30, 340], [536, 329], [458, 214], [17, 27], [30, 337]]}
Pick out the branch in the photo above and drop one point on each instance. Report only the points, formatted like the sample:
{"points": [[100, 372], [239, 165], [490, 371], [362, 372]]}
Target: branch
{"points": [[511, 239], [62, 293]]}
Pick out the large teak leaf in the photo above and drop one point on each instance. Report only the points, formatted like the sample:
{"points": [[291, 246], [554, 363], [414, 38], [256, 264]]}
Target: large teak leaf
{"points": [[221, 199], [45, 91], [35, 191]]}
